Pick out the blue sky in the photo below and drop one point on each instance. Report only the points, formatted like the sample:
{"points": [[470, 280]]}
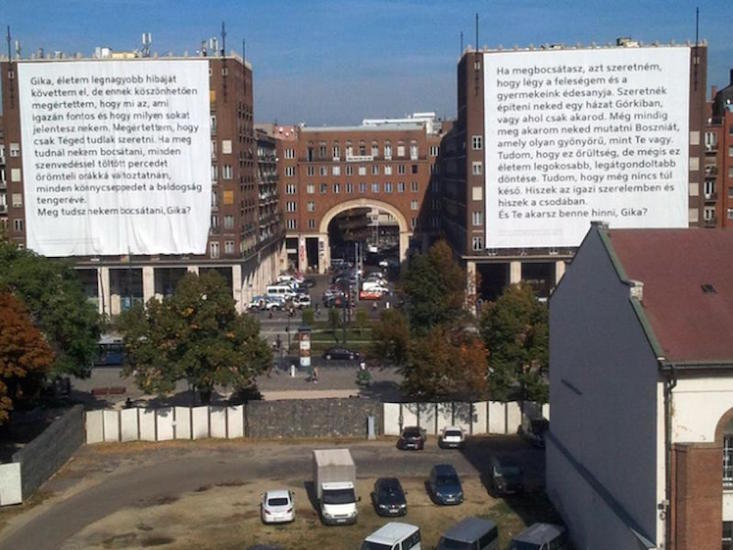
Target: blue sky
{"points": [[336, 62]]}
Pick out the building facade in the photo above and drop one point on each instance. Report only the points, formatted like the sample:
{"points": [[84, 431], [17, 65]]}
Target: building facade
{"points": [[640, 448], [244, 253], [382, 167], [463, 176], [718, 189]]}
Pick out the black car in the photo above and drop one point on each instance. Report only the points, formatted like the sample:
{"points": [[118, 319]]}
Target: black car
{"points": [[506, 476], [388, 497], [412, 437], [445, 486], [340, 353]]}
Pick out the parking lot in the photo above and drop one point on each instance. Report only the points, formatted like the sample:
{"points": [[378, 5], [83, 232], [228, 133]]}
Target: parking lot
{"points": [[206, 495]]}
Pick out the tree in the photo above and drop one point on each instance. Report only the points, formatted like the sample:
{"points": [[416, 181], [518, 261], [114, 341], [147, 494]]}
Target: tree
{"points": [[361, 319], [53, 294], [447, 363], [391, 337], [194, 335], [334, 321], [25, 356], [308, 316], [515, 329], [434, 289]]}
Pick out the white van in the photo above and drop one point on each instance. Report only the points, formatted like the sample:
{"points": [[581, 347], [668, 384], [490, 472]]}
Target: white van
{"points": [[374, 286], [281, 291], [393, 536]]}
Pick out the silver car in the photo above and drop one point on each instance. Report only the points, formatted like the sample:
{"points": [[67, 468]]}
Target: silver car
{"points": [[278, 506]]}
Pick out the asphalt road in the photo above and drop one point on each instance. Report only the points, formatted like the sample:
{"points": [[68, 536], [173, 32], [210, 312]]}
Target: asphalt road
{"points": [[101, 480]]}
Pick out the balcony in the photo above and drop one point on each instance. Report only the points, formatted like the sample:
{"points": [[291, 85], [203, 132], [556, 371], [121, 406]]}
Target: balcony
{"points": [[359, 158], [711, 170], [711, 197], [3, 208], [711, 222]]}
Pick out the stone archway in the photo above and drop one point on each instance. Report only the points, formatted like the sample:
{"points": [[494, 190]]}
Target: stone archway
{"points": [[324, 248]]}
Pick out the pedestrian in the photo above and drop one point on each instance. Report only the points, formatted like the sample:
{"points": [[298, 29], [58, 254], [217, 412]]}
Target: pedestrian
{"points": [[315, 375]]}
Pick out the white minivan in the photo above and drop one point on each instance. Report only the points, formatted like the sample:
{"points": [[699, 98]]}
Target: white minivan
{"points": [[393, 536], [281, 291]]}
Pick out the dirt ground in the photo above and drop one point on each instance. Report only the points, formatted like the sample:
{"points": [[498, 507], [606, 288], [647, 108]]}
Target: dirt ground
{"points": [[227, 517]]}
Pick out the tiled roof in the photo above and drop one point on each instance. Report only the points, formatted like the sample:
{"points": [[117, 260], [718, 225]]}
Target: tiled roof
{"points": [[688, 288]]}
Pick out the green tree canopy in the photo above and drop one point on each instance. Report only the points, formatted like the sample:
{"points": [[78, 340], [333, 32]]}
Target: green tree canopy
{"points": [[434, 287], [53, 294], [446, 364], [391, 337], [515, 329], [194, 335], [25, 356]]}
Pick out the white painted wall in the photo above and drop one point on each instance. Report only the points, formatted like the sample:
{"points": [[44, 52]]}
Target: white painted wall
{"points": [[698, 404], [10, 484]]}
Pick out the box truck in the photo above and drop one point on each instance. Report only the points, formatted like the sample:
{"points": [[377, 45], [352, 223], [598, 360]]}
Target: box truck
{"points": [[334, 481]]}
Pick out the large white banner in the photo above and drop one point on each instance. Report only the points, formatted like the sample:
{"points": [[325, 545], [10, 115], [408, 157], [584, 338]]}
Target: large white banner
{"points": [[579, 135], [116, 156]]}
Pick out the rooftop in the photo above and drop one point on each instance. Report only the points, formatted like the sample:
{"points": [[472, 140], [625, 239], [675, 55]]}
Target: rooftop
{"points": [[687, 296]]}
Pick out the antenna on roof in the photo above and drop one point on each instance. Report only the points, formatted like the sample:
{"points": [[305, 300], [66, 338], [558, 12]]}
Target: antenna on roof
{"points": [[147, 40], [696, 60], [223, 39], [10, 57], [476, 31], [461, 52]]}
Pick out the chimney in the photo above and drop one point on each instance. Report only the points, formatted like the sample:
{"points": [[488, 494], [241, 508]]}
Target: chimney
{"points": [[731, 77], [637, 290], [713, 91]]}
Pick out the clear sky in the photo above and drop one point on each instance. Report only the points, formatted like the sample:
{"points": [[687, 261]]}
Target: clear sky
{"points": [[336, 62]]}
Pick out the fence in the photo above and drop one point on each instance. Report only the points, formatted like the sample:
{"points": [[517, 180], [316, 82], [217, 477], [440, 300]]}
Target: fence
{"points": [[485, 417]]}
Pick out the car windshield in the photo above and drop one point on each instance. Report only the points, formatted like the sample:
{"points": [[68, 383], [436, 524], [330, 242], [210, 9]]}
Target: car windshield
{"points": [[411, 432], [366, 545], [452, 544], [339, 496], [280, 501], [453, 433], [447, 480], [509, 471]]}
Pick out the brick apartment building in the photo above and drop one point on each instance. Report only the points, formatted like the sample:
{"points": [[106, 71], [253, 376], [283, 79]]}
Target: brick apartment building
{"points": [[245, 236], [378, 172], [718, 190], [462, 186]]}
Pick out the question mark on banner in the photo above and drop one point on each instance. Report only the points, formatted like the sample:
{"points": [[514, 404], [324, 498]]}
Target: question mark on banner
{"points": [[645, 210], [188, 210]]}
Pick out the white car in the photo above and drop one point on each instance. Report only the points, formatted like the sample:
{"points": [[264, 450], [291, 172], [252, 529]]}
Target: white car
{"points": [[278, 506], [451, 437]]}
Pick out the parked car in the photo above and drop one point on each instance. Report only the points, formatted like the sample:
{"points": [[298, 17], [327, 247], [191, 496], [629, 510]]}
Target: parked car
{"points": [[540, 536], [257, 303], [302, 301], [277, 506], [506, 476], [451, 437], [388, 497], [274, 303], [471, 534], [412, 437], [445, 485], [534, 432], [340, 353], [393, 536]]}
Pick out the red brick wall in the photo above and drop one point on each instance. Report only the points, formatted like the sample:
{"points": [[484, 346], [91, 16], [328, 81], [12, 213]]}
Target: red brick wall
{"points": [[697, 504]]}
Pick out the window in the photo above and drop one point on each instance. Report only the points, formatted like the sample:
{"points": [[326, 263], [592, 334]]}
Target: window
{"points": [[214, 249], [290, 189], [375, 188], [323, 170], [228, 247], [434, 150], [349, 150], [387, 187], [730, 213], [214, 199], [434, 169], [349, 187], [730, 172], [291, 206], [413, 151], [730, 151], [213, 148], [477, 218], [362, 170], [375, 169], [708, 214], [401, 187], [400, 168], [337, 188], [388, 150], [413, 223], [311, 206], [477, 243], [413, 205], [387, 169], [310, 188], [226, 147], [336, 170], [694, 164], [375, 150], [414, 187], [477, 168], [477, 142], [214, 172], [709, 188], [15, 149], [228, 222], [362, 188], [728, 460], [290, 171], [324, 188], [362, 149], [15, 174], [311, 223], [414, 168], [214, 222], [18, 225], [349, 170], [730, 192], [213, 124], [292, 224], [226, 172], [322, 151], [336, 152], [311, 170], [477, 193], [289, 153], [400, 150], [727, 535], [17, 200]]}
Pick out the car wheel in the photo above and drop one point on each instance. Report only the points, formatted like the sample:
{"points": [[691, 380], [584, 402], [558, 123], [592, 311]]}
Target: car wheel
{"points": [[351, 356], [328, 357]]}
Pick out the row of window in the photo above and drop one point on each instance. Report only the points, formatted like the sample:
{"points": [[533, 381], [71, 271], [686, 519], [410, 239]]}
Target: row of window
{"points": [[310, 188], [349, 170], [214, 248], [292, 224], [360, 150], [310, 206]]}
